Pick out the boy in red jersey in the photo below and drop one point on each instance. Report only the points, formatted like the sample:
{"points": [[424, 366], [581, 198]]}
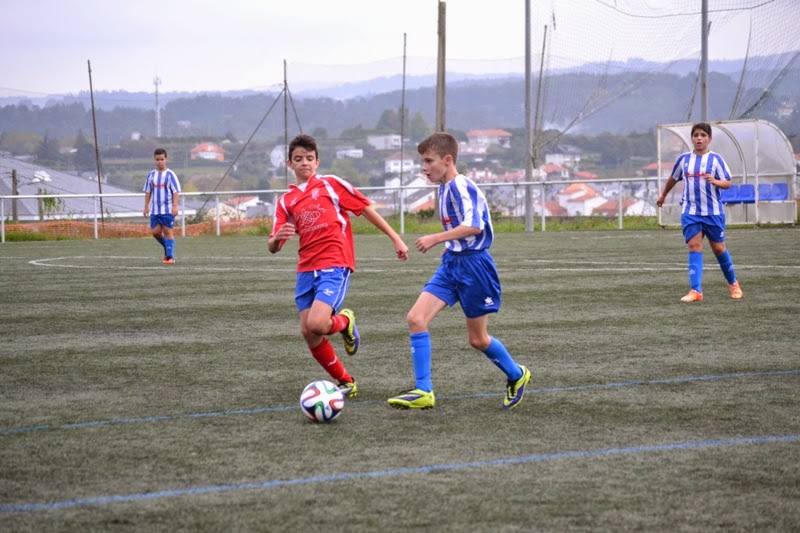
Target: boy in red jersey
{"points": [[316, 208]]}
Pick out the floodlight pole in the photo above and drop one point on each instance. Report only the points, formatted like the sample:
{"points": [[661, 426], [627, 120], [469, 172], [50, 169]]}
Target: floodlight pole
{"points": [[402, 142], [704, 63], [285, 126], [528, 136]]}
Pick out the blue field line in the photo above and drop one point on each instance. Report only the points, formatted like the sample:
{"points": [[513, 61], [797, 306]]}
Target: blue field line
{"points": [[619, 384], [347, 476]]}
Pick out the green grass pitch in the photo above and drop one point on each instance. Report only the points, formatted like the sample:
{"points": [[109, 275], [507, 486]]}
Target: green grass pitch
{"points": [[138, 397]]}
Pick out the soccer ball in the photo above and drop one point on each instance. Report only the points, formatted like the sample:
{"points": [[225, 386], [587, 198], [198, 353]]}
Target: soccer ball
{"points": [[321, 401]]}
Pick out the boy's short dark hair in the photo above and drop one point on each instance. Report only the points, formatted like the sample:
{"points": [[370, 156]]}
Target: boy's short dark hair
{"points": [[703, 126], [303, 141], [440, 143], [160, 151]]}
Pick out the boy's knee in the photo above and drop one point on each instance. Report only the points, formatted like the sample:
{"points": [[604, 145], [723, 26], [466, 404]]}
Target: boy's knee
{"points": [[480, 343], [319, 328], [415, 321]]}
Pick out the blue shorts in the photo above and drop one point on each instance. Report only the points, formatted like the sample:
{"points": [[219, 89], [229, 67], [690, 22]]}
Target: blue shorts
{"points": [[328, 285], [712, 226], [469, 278], [167, 221]]}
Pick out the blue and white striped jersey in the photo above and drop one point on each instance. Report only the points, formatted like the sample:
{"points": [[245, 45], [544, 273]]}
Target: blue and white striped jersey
{"points": [[700, 197], [161, 186], [462, 203]]}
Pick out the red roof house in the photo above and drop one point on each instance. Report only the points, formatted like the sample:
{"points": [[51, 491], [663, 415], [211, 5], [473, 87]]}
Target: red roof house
{"points": [[209, 151]]}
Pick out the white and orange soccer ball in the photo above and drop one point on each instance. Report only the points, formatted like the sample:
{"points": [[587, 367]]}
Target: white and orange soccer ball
{"points": [[321, 401]]}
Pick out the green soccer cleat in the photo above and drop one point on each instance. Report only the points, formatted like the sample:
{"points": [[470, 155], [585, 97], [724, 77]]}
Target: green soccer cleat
{"points": [[348, 388], [413, 399], [350, 334], [516, 389]]}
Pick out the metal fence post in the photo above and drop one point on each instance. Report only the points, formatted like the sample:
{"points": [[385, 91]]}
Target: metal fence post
{"points": [[619, 204], [544, 197], [94, 200], [402, 209], [216, 200]]}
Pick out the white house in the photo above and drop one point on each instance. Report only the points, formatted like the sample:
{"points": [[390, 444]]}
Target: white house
{"points": [[351, 153], [580, 199], [417, 194], [208, 150], [384, 142], [564, 155], [243, 202], [480, 140], [397, 162]]}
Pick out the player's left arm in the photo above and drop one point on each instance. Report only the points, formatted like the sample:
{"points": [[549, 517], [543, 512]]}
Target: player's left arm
{"points": [[426, 242], [175, 187], [175, 196], [379, 222], [719, 176]]}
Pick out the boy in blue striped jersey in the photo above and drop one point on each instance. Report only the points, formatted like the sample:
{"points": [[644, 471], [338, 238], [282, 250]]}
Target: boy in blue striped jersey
{"points": [[467, 275], [704, 173], [162, 189]]}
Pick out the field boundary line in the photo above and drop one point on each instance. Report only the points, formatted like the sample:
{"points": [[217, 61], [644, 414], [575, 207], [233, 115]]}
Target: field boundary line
{"points": [[531, 264], [346, 476]]}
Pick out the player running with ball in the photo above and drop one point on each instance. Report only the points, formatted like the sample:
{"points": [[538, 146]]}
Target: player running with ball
{"points": [[316, 208]]}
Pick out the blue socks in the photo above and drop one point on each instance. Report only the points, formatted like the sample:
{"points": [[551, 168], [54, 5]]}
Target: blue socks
{"points": [[421, 357], [696, 271], [726, 264], [161, 241], [497, 354], [169, 247]]}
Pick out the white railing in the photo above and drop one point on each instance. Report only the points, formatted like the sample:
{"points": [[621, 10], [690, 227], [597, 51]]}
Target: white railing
{"points": [[527, 203]]}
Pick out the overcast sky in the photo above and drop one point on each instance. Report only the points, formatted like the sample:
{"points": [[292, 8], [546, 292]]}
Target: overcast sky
{"points": [[196, 45]]}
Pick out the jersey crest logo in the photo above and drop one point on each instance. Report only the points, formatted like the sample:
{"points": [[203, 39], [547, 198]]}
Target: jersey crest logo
{"points": [[309, 216]]}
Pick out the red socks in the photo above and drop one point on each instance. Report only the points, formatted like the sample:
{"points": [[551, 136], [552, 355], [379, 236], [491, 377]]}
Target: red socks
{"points": [[326, 357], [338, 323]]}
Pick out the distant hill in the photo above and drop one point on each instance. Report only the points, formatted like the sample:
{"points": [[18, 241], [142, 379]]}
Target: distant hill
{"points": [[624, 101]]}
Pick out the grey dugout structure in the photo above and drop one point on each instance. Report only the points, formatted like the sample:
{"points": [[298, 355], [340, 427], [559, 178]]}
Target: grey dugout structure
{"points": [[761, 162]]}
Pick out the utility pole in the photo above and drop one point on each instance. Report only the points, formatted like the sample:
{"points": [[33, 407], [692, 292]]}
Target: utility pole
{"points": [[96, 147], [157, 82], [440, 69], [14, 192]]}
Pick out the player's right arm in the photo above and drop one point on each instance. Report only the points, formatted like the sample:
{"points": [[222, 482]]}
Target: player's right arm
{"points": [[275, 242], [148, 192], [668, 187], [282, 227]]}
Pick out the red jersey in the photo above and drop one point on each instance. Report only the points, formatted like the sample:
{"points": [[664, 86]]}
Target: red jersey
{"points": [[319, 214]]}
